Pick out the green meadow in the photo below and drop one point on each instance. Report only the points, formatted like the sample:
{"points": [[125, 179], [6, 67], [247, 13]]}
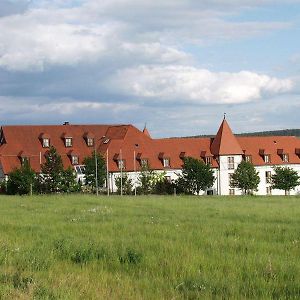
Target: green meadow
{"points": [[155, 247]]}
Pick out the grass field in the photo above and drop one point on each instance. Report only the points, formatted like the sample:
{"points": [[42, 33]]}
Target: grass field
{"points": [[83, 247]]}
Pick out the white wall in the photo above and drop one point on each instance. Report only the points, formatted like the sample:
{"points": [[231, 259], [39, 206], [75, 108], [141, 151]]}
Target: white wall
{"points": [[262, 187], [223, 176], [172, 173]]}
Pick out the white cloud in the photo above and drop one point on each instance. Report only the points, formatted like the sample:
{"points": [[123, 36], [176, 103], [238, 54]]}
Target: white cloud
{"points": [[67, 33], [197, 85]]}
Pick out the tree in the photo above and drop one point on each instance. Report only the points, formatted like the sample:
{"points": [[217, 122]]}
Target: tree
{"points": [[68, 183], [245, 177], [20, 181], [285, 179], [147, 180], [127, 185], [52, 170], [164, 187], [196, 176], [90, 170]]}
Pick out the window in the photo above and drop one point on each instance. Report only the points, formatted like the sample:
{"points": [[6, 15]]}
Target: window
{"points": [[80, 169], [231, 192], [285, 157], [208, 160], [75, 160], [166, 162], [230, 162], [24, 160], [268, 190], [144, 162], [248, 158], [267, 158], [121, 164], [268, 177], [68, 142], [46, 143], [90, 142], [230, 179]]}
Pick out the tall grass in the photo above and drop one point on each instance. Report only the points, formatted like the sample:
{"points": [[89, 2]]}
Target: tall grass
{"points": [[83, 247]]}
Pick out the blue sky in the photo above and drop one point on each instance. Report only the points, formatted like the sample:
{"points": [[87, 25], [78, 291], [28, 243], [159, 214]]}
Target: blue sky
{"points": [[176, 64]]}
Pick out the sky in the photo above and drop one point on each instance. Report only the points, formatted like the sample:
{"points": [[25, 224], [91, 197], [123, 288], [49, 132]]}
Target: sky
{"points": [[175, 65]]}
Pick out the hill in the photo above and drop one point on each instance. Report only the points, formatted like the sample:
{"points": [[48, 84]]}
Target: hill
{"points": [[282, 132]]}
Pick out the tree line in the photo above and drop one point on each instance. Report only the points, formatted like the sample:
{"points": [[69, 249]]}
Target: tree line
{"points": [[196, 177]]}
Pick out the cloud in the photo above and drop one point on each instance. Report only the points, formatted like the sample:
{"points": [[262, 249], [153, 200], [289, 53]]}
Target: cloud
{"points": [[190, 84], [68, 33]]}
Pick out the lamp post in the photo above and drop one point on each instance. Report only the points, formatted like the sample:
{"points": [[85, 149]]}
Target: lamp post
{"points": [[121, 166], [96, 169], [134, 171], [107, 173]]}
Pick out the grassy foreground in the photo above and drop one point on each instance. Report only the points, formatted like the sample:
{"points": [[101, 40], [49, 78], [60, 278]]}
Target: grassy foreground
{"points": [[83, 247]]}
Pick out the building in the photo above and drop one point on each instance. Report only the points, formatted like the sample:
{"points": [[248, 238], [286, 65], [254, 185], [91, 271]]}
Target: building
{"points": [[126, 147]]}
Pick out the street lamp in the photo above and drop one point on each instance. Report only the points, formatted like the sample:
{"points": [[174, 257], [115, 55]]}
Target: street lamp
{"points": [[134, 168], [96, 169]]}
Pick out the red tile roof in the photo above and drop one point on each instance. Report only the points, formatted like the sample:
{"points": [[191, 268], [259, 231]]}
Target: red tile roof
{"points": [[271, 145], [225, 143], [26, 141]]}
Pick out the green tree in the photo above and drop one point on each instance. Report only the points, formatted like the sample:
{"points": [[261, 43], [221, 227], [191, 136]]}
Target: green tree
{"points": [[127, 185], [20, 181], [147, 179], [51, 173], [245, 178], [285, 178], [164, 187], [196, 176], [90, 170], [68, 183]]}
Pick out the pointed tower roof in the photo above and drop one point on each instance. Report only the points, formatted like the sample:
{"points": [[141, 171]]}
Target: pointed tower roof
{"points": [[225, 143], [146, 132]]}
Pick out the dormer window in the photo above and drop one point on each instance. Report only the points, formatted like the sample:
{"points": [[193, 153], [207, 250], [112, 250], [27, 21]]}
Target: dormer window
{"points": [[166, 162], [24, 160], [46, 142], [68, 142], [248, 158], [267, 158], [75, 159], [144, 162], [208, 160], [121, 164], [285, 158], [89, 138], [90, 142]]}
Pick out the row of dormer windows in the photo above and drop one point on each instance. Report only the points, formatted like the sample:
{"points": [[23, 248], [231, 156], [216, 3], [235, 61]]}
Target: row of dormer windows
{"points": [[68, 141], [267, 158]]}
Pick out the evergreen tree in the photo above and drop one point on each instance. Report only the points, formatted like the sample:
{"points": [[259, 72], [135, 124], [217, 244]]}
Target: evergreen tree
{"points": [[52, 171], [196, 176], [127, 185], [20, 181], [285, 179], [90, 170], [245, 177], [68, 182]]}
